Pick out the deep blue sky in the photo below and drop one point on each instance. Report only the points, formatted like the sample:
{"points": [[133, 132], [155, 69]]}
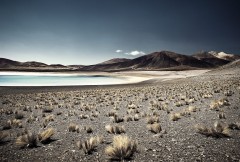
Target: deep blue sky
{"points": [[90, 31]]}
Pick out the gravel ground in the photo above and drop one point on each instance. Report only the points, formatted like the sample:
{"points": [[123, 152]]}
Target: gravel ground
{"points": [[178, 140]]}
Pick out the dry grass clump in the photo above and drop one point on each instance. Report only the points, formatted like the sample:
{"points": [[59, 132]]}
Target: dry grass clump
{"points": [[115, 129], [122, 148], [192, 109], [153, 119], [48, 109], [111, 113], [46, 135], [128, 118], [155, 127], [48, 119], [88, 146], [117, 119], [179, 103], [27, 140], [19, 115], [3, 135], [132, 111], [175, 116], [94, 114], [216, 104], [221, 116], [89, 129], [31, 119], [235, 125], [73, 128], [7, 125], [14, 122], [83, 116], [218, 130]]}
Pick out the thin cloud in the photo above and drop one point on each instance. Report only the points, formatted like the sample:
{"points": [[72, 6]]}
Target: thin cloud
{"points": [[118, 51], [135, 53]]}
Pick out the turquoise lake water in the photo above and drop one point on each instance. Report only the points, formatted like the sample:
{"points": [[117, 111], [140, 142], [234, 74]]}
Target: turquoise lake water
{"points": [[38, 80]]}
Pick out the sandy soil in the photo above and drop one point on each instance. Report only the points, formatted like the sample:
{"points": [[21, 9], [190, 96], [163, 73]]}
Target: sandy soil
{"points": [[178, 106]]}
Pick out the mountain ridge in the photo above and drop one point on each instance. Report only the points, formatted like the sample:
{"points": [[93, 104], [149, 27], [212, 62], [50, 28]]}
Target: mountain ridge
{"points": [[153, 61]]}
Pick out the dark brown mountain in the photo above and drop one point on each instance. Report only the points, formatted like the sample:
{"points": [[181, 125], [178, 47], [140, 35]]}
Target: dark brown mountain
{"points": [[114, 60], [6, 63], [33, 64], [164, 60], [211, 59], [153, 61]]}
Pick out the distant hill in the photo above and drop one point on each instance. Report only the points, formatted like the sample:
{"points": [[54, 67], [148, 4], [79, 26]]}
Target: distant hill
{"points": [[211, 59], [6, 63], [114, 60], [153, 61], [164, 60], [33, 64], [225, 56]]}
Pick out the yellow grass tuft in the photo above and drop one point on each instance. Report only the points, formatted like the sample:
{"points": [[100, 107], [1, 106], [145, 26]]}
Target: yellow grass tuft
{"points": [[175, 116], [46, 135], [115, 129], [3, 135], [155, 127], [73, 128], [27, 140], [218, 130], [88, 146], [122, 148]]}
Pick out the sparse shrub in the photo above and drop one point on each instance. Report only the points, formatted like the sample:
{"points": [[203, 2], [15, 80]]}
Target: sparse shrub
{"points": [[175, 116], [192, 109], [219, 130], [88, 129], [48, 109], [235, 125], [88, 146], [117, 119], [31, 118], [73, 128], [136, 117], [122, 148], [27, 140], [128, 118], [19, 115], [221, 116], [95, 114], [7, 125], [48, 119], [111, 113], [153, 119], [115, 129], [3, 135], [46, 135], [155, 127], [155, 113], [83, 116]]}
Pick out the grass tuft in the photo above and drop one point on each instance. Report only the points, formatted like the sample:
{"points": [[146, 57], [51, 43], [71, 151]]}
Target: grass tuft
{"points": [[218, 130], [122, 148], [115, 129], [46, 135], [27, 140], [88, 146]]}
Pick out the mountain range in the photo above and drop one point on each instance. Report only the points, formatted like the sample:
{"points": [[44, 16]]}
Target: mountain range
{"points": [[164, 60]]}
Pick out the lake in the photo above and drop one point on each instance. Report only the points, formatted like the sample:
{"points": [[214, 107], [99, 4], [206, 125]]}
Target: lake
{"points": [[38, 79]]}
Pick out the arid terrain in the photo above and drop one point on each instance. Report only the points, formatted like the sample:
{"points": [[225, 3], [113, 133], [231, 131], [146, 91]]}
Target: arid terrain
{"points": [[189, 119]]}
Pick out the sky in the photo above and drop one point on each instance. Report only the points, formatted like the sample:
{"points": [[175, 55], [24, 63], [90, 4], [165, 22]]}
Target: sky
{"points": [[87, 32]]}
